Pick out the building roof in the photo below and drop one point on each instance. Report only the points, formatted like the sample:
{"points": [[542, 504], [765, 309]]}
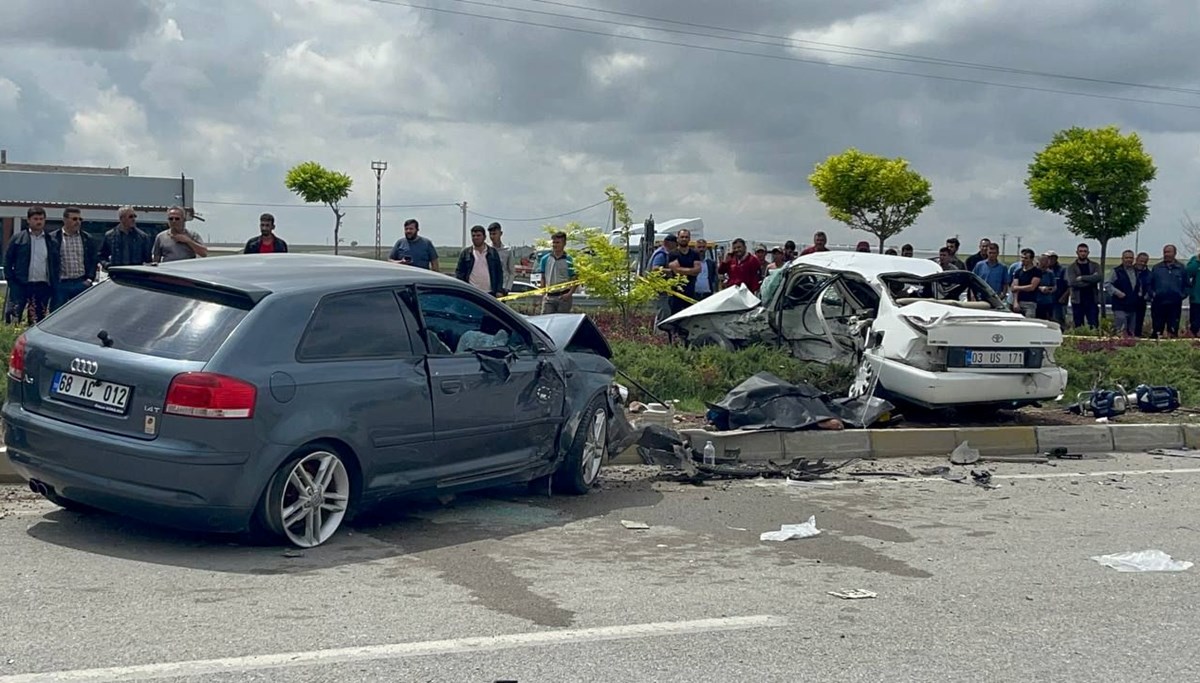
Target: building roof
{"points": [[82, 205]]}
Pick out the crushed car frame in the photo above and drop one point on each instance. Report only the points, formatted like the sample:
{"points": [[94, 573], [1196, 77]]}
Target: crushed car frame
{"points": [[915, 333]]}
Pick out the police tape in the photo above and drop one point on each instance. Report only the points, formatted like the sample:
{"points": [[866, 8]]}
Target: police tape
{"points": [[568, 285], [539, 292]]}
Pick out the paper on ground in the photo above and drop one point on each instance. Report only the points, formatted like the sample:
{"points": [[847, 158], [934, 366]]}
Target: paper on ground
{"points": [[1143, 561], [789, 531], [853, 594]]}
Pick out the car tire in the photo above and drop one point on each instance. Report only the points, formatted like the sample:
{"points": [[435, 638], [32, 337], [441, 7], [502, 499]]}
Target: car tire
{"points": [[711, 339], [308, 498], [581, 468]]}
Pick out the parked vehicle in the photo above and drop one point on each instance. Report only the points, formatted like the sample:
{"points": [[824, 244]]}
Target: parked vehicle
{"points": [[917, 335], [284, 393]]}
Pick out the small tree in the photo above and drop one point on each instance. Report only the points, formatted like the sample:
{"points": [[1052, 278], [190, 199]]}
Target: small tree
{"points": [[1191, 235], [1098, 179], [318, 185], [871, 193]]}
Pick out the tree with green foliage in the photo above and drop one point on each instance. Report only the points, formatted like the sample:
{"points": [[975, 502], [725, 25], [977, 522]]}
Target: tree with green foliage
{"points": [[603, 268], [318, 185], [1097, 178], [871, 193]]}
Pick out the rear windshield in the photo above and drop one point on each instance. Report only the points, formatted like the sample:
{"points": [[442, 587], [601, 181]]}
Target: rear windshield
{"points": [[147, 321]]}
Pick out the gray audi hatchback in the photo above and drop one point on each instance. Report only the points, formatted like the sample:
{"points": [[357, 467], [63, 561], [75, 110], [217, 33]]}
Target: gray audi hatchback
{"points": [[282, 393]]}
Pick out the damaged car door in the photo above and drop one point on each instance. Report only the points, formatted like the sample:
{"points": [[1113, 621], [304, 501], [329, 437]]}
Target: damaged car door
{"points": [[816, 315], [498, 397]]}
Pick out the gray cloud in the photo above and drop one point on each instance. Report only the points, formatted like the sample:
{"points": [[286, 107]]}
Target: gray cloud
{"points": [[73, 24]]}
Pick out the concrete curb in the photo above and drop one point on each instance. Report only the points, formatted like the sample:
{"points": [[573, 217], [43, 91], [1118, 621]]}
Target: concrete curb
{"points": [[782, 446]]}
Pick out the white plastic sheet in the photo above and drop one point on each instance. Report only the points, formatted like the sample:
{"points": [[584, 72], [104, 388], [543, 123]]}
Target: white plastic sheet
{"points": [[788, 532], [964, 455], [1143, 561]]}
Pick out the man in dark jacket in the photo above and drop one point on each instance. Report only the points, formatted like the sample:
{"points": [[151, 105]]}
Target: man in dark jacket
{"points": [[479, 264], [79, 258], [31, 267], [1127, 287], [266, 242], [126, 245], [1168, 287]]}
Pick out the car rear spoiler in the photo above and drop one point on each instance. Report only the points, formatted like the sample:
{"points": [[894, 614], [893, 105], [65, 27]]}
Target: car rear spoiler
{"points": [[227, 292]]}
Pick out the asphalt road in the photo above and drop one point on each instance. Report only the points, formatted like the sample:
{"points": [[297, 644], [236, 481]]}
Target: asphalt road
{"points": [[972, 584]]}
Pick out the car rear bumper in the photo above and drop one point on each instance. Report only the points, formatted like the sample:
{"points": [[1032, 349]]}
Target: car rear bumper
{"points": [[945, 389], [213, 491]]}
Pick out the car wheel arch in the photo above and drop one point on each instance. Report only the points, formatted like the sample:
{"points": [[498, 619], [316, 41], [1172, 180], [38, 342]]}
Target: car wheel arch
{"points": [[338, 446]]}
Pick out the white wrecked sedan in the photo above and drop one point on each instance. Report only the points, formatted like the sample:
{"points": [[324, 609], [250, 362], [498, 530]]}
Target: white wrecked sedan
{"points": [[917, 335]]}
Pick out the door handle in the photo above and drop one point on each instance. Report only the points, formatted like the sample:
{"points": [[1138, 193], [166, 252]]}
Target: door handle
{"points": [[451, 386]]}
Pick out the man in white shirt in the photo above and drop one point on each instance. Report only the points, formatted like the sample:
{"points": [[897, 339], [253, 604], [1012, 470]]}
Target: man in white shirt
{"points": [[479, 265]]}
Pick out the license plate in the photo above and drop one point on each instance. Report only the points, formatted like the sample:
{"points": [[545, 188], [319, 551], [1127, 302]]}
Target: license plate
{"points": [[97, 393], [994, 359]]}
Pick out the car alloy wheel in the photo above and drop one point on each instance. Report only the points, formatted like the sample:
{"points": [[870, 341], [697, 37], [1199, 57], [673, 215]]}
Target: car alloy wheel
{"points": [[313, 499], [594, 446]]}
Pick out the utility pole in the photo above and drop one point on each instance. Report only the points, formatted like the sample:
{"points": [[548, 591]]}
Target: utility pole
{"points": [[463, 206], [1003, 243], [1018, 244], [379, 167]]}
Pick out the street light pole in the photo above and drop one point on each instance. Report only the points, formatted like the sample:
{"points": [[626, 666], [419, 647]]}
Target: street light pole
{"points": [[463, 206], [379, 167]]}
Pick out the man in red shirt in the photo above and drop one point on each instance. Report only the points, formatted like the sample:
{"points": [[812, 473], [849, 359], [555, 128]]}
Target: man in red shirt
{"points": [[266, 242], [819, 242], [740, 267]]}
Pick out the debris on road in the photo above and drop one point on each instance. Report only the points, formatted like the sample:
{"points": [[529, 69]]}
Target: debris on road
{"points": [[1175, 452], [788, 532], [964, 455], [292, 554], [635, 526], [853, 594], [934, 471], [1063, 454], [1143, 561], [764, 401]]}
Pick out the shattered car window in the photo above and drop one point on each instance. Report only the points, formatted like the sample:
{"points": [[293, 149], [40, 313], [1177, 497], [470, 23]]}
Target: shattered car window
{"points": [[953, 287]]}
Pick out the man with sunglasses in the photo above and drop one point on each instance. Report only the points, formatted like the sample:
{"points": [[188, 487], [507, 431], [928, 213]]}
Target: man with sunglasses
{"points": [[177, 243], [126, 244], [79, 258]]}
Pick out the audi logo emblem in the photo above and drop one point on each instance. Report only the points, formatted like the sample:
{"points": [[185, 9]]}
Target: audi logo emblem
{"points": [[997, 338], [84, 366]]}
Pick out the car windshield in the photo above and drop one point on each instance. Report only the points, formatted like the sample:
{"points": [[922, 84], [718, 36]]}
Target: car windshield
{"points": [[955, 288], [152, 322]]}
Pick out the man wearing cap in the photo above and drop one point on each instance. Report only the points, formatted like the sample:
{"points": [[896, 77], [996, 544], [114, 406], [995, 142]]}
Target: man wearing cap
{"points": [[778, 260], [661, 260], [760, 253]]}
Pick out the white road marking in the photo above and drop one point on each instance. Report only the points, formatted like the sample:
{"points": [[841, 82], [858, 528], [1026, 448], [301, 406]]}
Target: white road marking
{"points": [[208, 667]]}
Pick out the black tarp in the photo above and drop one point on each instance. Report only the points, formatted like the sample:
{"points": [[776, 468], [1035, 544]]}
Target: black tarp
{"points": [[765, 401]]}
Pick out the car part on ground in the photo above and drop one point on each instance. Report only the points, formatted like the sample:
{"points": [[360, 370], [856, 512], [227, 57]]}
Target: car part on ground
{"points": [[921, 336], [765, 401]]}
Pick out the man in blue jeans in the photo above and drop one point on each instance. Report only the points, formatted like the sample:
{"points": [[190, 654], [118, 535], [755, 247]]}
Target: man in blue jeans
{"points": [[79, 257]]}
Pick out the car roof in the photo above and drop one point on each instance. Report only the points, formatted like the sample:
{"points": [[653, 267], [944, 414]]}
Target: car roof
{"points": [[869, 266], [260, 274]]}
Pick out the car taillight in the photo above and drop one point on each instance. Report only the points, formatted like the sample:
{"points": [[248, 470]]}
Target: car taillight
{"points": [[16, 360], [204, 394]]}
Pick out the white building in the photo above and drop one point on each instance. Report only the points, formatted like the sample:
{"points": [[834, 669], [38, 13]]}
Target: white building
{"points": [[98, 192]]}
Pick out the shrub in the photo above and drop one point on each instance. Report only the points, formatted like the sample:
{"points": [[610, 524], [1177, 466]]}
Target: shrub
{"points": [[695, 376], [1130, 362]]}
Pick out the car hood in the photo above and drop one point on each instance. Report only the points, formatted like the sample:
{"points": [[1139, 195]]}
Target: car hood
{"points": [[731, 300], [573, 332]]}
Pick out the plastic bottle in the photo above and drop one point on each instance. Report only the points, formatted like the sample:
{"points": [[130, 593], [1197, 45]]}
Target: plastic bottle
{"points": [[710, 454]]}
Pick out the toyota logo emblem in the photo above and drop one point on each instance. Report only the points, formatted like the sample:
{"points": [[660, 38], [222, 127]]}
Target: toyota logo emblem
{"points": [[85, 366], [997, 338]]}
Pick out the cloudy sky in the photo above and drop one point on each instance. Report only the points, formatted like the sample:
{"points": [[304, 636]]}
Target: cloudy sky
{"points": [[524, 121]]}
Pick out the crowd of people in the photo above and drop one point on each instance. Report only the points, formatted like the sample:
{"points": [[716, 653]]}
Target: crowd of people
{"points": [[45, 269]]}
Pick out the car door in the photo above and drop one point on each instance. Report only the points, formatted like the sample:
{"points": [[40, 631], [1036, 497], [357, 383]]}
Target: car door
{"points": [[498, 399], [796, 316], [357, 364]]}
